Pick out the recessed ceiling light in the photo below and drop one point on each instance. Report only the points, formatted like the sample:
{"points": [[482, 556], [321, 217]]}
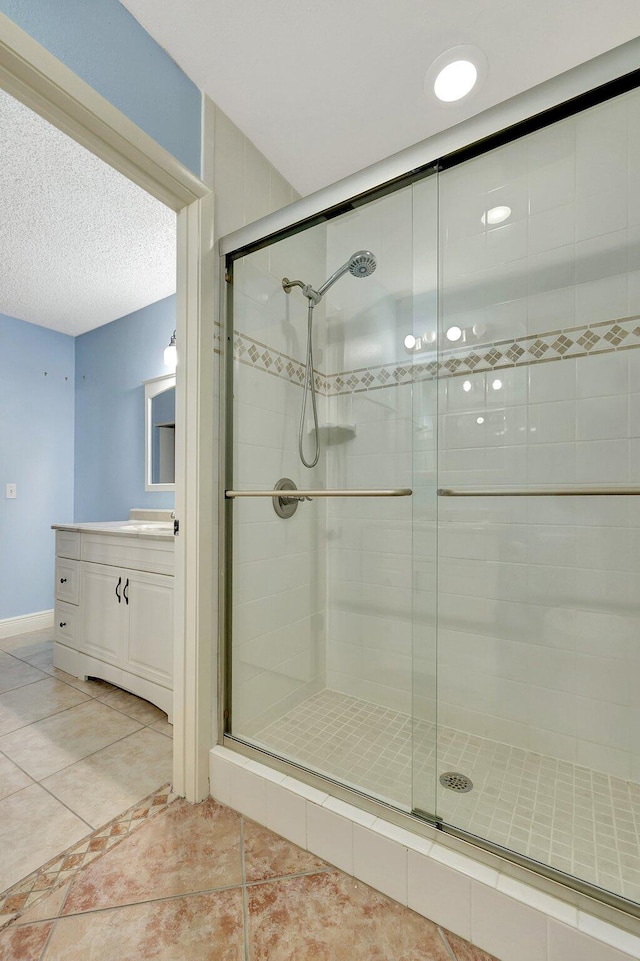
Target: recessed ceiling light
{"points": [[455, 81], [409, 342], [454, 333], [496, 215], [455, 73], [466, 386], [497, 385], [479, 420]]}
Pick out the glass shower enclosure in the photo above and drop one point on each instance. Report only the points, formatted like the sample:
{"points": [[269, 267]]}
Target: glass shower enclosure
{"points": [[442, 613]]}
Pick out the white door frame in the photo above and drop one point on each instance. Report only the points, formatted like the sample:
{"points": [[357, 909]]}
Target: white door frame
{"points": [[38, 79]]}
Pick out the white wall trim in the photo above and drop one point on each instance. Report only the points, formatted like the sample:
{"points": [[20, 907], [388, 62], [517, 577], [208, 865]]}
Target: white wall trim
{"points": [[38, 79], [481, 904], [41, 81], [25, 623]]}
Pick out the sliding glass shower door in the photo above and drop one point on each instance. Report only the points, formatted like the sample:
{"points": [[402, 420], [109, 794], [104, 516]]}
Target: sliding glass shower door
{"points": [[323, 615], [448, 621], [538, 654]]}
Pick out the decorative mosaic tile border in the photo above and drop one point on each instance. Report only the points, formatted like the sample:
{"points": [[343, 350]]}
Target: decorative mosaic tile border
{"points": [[64, 867], [570, 342]]}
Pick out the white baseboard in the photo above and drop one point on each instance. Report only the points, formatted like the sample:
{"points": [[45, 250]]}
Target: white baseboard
{"points": [[26, 623]]}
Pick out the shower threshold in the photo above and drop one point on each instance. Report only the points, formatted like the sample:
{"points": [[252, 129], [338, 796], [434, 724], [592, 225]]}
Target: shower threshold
{"points": [[581, 822]]}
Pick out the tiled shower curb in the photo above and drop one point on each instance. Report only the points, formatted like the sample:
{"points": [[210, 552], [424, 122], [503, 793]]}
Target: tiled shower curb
{"points": [[511, 920], [64, 867]]}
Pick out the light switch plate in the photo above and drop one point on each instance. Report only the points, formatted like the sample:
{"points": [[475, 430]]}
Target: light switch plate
{"points": [[11, 491]]}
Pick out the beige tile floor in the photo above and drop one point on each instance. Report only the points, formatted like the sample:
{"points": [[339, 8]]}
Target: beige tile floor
{"points": [[73, 755], [201, 883]]}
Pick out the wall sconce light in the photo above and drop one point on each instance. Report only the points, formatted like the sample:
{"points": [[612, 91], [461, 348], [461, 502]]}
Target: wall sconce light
{"points": [[171, 353]]}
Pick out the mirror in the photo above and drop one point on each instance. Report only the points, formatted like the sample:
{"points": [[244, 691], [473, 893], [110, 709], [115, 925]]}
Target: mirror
{"points": [[160, 433]]}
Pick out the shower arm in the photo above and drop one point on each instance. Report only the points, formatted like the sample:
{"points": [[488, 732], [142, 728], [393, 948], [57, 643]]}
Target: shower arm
{"points": [[313, 296]]}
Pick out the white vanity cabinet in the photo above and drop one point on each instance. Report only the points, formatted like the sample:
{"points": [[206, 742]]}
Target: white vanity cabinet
{"points": [[127, 619], [114, 609]]}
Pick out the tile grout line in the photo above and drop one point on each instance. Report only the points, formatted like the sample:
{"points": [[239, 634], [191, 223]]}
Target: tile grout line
{"points": [[131, 904], [66, 768], [448, 947], [132, 824], [288, 877], [55, 920], [47, 791], [38, 720], [176, 897], [94, 697], [245, 901], [78, 760], [45, 946], [38, 680]]}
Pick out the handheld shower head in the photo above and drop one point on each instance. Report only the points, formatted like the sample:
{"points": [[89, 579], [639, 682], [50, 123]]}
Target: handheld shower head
{"points": [[361, 264]]}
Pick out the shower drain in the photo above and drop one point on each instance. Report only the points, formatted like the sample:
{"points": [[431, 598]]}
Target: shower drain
{"points": [[456, 782]]}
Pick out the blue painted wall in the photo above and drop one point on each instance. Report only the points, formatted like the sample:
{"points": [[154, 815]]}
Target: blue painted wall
{"points": [[101, 42], [111, 363], [71, 438], [36, 452]]}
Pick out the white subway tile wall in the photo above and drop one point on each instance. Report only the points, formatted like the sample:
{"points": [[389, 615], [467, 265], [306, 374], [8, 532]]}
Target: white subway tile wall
{"points": [[538, 597]]}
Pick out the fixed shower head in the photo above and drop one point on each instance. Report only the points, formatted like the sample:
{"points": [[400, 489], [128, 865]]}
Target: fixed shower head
{"points": [[361, 264]]}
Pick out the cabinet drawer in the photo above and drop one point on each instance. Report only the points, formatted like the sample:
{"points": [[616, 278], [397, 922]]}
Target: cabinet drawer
{"points": [[122, 551], [65, 625], [67, 580], [68, 544]]}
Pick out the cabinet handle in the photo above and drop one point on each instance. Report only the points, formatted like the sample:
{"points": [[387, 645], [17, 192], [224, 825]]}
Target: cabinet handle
{"points": [[63, 580], [117, 586], [63, 623], [124, 591]]}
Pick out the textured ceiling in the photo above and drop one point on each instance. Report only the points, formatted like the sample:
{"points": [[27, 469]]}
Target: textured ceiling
{"points": [[80, 245], [326, 87]]}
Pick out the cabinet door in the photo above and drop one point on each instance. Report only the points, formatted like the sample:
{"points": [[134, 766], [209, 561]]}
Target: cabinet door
{"points": [[102, 614], [149, 638]]}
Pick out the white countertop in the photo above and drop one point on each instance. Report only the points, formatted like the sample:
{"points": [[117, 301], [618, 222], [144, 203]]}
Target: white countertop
{"points": [[156, 530]]}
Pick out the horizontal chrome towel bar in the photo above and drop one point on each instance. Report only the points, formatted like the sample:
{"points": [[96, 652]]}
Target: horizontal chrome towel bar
{"points": [[303, 495], [539, 492]]}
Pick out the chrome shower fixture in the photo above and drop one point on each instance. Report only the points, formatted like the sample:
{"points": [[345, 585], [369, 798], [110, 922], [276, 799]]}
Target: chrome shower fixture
{"points": [[361, 264]]}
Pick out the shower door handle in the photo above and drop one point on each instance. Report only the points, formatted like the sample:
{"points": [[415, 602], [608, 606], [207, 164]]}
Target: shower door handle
{"points": [[539, 492], [309, 494]]}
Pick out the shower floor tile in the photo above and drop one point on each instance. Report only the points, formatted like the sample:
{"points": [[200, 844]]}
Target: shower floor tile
{"points": [[580, 821]]}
